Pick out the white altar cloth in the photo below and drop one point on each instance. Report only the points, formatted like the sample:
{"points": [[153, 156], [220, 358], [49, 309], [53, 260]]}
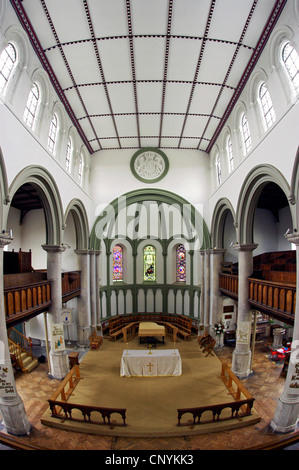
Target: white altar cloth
{"points": [[139, 363]]}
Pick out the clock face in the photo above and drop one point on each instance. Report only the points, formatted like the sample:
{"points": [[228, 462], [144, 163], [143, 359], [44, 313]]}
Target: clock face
{"points": [[149, 165]]}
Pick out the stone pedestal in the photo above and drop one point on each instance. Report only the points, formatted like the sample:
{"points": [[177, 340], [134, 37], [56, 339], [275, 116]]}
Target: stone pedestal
{"points": [[11, 405], [277, 338], [241, 361], [57, 360], [287, 411]]}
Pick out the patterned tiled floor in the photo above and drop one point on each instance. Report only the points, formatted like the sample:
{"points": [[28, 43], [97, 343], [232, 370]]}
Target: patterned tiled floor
{"points": [[266, 385]]}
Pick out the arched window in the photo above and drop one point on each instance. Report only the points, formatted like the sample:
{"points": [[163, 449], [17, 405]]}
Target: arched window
{"points": [[267, 106], [180, 263], [80, 170], [53, 132], [218, 170], [117, 263], [229, 149], [246, 133], [31, 106], [8, 60], [290, 60], [149, 263], [68, 156]]}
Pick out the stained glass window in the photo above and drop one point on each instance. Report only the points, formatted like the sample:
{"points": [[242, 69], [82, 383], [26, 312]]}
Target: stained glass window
{"points": [[149, 263], [117, 263], [180, 263]]}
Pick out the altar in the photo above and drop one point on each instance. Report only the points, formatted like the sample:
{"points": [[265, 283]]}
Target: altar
{"points": [[145, 363]]}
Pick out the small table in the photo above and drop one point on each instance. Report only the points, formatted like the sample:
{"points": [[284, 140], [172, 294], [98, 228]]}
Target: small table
{"points": [[144, 363]]}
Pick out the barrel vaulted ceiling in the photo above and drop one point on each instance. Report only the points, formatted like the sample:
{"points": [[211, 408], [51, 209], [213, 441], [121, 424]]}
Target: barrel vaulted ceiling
{"points": [[148, 73]]}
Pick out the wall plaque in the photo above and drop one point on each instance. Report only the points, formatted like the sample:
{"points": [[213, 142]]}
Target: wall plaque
{"points": [[149, 165]]}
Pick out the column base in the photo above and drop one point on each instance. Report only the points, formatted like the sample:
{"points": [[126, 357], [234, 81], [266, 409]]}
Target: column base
{"points": [[285, 417], [241, 364], [14, 416], [83, 334], [59, 365]]}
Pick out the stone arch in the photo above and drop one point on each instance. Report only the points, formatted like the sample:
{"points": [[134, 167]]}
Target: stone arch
{"points": [[188, 212], [3, 190], [48, 192], [294, 192], [250, 192], [221, 210], [77, 210]]}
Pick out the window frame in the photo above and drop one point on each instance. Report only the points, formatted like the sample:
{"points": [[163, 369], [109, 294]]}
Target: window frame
{"points": [[294, 80], [32, 105], [7, 78], [266, 106], [53, 134], [246, 135]]}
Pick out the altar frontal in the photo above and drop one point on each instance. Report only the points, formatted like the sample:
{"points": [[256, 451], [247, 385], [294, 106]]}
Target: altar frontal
{"points": [[143, 363]]}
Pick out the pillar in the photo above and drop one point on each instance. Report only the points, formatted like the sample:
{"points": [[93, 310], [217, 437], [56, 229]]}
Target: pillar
{"points": [[11, 405], [83, 327], [97, 285], [241, 361], [59, 365], [216, 266], [202, 290], [206, 289], [287, 411]]}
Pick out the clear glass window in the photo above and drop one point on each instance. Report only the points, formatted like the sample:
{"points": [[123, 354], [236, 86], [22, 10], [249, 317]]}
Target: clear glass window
{"points": [[53, 132], [31, 106], [68, 156], [267, 106], [8, 58], [218, 170], [246, 133], [291, 62], [230, 155]]}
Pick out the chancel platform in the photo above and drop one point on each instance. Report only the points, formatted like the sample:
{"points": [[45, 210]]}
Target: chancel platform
{"points": [[149, 363], [151, 403]]}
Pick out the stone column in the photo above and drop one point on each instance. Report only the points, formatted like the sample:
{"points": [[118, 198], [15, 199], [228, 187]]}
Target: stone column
{"points": [[202, 290], [92, 289], [97, 285], [11, 405], [287, 410], [83, 327], [217, 261], [207, 289], [59, 365], [242, 354]]}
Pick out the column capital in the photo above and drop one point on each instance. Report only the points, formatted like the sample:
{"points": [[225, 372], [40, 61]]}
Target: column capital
{"points": [[5, 240], [245, 247], [54, 248], [217, 251], [82, 252], [293, 238]]}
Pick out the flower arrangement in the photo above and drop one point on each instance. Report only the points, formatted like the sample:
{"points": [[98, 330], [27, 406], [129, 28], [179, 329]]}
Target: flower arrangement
{"points": [[219, 328]]}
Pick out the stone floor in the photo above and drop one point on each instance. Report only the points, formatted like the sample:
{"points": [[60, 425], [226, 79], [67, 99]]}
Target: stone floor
{"points": [[265, 384]]}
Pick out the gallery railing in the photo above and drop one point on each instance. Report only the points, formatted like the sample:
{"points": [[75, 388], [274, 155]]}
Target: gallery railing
{"points": [[273, 298], [24, 301], [154, 297]]}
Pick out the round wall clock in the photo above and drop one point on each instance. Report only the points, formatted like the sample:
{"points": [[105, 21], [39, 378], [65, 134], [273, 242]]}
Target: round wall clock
{"points": [[149, 165]]}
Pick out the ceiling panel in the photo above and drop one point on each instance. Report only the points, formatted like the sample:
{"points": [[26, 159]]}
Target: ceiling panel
{"points": [[156, 73]]}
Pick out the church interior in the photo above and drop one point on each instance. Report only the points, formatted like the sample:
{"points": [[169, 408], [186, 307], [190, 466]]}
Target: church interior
{"points": [[149, 195]]}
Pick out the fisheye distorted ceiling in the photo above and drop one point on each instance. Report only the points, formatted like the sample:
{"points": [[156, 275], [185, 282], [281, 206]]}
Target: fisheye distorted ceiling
{"points": [[148, 73]]}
